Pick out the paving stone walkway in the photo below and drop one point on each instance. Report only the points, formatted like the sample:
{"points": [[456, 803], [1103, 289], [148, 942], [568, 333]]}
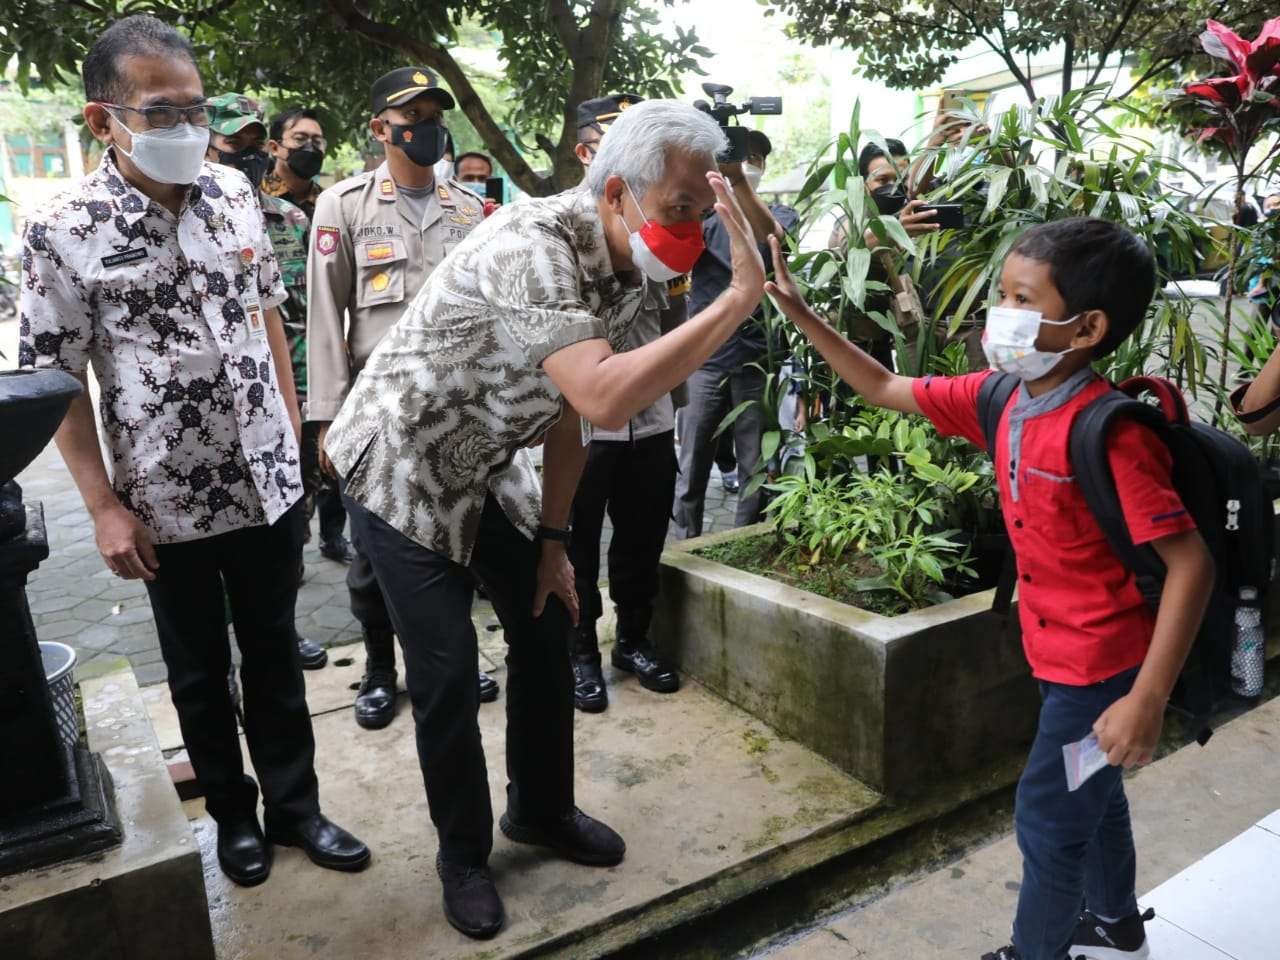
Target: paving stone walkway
{"points": [[75, 599]]}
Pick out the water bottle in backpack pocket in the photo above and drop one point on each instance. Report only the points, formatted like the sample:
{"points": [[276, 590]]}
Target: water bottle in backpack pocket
{"points": [[1248, 646]]}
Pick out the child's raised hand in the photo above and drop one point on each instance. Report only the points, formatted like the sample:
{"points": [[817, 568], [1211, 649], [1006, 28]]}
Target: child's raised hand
{"points": [[1129, 729], [782, 289]]}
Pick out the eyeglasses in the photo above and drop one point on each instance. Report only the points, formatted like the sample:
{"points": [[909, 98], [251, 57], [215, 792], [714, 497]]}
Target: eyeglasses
{"points": [[300, 140], [163, 117]]}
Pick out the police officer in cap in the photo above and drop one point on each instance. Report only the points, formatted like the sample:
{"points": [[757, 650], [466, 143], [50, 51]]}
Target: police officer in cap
{"points": [[375, 239], [631, 475]]}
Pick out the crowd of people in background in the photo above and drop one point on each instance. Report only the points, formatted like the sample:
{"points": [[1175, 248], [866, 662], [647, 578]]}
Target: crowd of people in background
{"points": [[386, 353]]}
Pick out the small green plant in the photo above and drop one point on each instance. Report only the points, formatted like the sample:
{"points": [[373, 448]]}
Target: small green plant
{"points": [[897, 517]]}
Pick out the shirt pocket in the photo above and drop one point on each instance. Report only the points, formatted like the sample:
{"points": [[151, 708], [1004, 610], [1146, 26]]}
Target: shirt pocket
{"points": [[1055, 505], [380, 270]]}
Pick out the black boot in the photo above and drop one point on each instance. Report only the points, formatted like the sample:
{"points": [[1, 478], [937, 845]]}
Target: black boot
{"points": [[376, 701], [634, 654], [589, 693], [488, 688]]}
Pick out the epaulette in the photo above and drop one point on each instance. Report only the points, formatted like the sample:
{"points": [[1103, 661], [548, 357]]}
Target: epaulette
{"points": [[351, 183], [679, 286]]}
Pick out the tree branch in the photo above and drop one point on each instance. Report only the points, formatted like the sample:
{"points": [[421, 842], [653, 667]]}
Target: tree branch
{"points": [[1108, 45], [439, 59]]}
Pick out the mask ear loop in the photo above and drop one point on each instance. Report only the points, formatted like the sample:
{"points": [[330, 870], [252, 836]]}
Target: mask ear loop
{"points": [[636, 200]]}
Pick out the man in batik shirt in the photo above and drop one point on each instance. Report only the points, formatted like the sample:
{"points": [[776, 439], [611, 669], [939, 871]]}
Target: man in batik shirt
{"points": [[155, 269], [512, 342]]}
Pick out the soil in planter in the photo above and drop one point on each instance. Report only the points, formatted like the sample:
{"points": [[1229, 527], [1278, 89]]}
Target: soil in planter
{"points": [[835, 581]]}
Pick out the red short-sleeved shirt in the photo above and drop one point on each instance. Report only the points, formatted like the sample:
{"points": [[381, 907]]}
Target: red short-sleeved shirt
{"points": [[1083, 619]]}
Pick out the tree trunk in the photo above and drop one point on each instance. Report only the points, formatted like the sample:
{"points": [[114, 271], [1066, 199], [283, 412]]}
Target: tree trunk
{"points": [[1233, 258]]}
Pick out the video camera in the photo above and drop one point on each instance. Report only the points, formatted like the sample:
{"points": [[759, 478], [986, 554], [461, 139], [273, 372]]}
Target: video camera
{"points": [[723, 111]]}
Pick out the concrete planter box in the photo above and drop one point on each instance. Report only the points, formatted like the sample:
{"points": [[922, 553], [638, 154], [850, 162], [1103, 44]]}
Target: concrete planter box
{"points": [[898, 702]]}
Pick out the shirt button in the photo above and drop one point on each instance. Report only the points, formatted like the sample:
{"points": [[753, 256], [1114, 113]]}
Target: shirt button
{"points": [[1042, 623], [1018, 524], [1026, 578]]}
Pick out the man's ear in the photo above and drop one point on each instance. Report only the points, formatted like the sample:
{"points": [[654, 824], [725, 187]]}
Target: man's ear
{"points": [[98, 120], [378, 127], [1093, 329], [614, 188], [583, 154]]}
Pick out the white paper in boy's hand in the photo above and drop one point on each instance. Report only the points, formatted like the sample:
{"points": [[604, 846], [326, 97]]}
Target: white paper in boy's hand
{"points": [[1083, 760]]}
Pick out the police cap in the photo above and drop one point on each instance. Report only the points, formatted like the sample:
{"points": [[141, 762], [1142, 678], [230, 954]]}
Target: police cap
{"points": [[398, 87]]}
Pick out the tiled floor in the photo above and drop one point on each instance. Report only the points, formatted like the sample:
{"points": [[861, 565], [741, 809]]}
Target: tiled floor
{"points": [[1225, 906]]}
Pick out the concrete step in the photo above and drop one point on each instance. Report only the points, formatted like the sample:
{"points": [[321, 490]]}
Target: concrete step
{"points": [[720, 814], [1184, 806]]}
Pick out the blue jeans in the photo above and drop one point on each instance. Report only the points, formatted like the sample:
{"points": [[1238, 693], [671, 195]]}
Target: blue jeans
{"points": [[1077, 848]]}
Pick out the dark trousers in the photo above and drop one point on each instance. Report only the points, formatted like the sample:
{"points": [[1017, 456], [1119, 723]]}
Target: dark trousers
{"points": [[321, 490], [253, 571], [713, 393], [1077, 848], [368, 605], [429, 599], [634, 482]]}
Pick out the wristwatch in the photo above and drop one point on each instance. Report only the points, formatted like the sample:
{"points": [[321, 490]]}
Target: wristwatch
{"points": [[552, 533]]}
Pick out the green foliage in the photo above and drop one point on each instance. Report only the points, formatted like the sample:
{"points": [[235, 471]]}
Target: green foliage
{"points": [[897, 519], [910, 46], [1062, 157], [549, 57]]}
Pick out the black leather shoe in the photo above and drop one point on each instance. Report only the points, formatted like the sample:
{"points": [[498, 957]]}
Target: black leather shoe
{"points": [[471, 901], [653, 675], [326, 843], [339, 549], [376, 701], [243, 854], [488, 688], [589, 693], [575, 836], [312, 655]]}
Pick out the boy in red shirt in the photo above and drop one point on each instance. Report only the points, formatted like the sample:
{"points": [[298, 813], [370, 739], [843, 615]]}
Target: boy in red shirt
{"points": [[1071, 291]]}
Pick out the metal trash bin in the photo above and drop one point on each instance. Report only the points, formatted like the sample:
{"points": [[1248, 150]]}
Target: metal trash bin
{"points": [[59, 660]]}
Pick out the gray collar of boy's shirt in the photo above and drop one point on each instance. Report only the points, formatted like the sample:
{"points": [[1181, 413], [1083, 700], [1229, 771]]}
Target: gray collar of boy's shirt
{"points": [[1026, 407]]}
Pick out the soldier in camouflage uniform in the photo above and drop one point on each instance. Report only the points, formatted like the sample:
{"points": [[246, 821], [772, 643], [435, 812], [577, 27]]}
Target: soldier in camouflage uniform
{"points": [[236, 136]]}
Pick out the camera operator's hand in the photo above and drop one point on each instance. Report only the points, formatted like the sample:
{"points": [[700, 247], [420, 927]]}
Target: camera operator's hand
{"points": [[744, 255], [734, 173]]}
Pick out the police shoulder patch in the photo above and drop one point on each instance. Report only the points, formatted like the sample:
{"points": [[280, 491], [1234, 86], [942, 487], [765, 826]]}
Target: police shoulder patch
{"points": [[327, 240]]}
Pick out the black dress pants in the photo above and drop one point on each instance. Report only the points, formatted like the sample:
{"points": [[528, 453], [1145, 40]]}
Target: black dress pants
{"points": [[634, 481], [321, 489], [429, 599], [253, 571]]}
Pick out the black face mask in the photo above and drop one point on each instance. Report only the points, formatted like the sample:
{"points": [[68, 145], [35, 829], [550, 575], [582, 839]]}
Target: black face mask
{"points": [[305, 161], [422, 142], [251, 161], [889, 199]]}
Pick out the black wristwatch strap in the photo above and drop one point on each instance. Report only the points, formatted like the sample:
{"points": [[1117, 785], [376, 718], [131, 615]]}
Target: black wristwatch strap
{"points": [[552, 533]]}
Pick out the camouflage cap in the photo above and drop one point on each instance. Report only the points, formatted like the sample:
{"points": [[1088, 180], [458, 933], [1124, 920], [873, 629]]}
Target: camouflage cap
{"points": [[229, 113]]}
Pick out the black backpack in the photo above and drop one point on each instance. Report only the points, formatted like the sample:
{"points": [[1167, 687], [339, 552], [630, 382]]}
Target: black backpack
{"points": [[1221, 485]]}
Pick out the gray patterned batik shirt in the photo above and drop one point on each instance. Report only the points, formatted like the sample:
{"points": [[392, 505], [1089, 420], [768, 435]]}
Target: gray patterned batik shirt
{"points": [[438, 418]]}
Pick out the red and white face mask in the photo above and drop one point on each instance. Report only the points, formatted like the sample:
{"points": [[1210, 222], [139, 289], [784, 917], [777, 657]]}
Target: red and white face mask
{"points": [[664, 252]]}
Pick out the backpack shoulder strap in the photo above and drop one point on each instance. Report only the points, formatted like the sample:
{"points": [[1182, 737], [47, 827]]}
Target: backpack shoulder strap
{"points": [[993, 397], [1092, 469]]}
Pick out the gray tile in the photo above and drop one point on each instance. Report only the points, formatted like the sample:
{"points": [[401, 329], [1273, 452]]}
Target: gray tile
{"points": [[62, 629], [151, 673], [136, 643], [53, 602]]}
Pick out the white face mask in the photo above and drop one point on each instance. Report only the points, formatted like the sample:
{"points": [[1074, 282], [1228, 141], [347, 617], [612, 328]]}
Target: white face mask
{"points": [[753, 174], [1009, 341], [172, 155], [443, 169]]}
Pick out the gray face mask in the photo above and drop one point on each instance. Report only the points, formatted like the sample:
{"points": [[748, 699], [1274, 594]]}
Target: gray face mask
{"points": [[172, 155]]}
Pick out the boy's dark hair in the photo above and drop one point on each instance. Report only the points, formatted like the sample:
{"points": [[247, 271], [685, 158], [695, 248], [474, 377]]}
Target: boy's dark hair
{"points": [[474, 153], [139, 35], [285, 119], [1095, 265], [872, 150]]}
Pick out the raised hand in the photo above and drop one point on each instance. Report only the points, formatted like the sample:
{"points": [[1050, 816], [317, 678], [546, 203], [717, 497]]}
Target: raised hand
{"points": [[744, 256], [782, 289]]}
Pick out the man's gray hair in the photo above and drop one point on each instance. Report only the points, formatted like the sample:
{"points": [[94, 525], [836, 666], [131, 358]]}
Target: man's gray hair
{"points": [[636, 145]]}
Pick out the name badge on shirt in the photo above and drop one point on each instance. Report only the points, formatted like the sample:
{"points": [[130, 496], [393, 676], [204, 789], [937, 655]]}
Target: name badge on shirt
{"points": [[255, 321], [125, 256]]}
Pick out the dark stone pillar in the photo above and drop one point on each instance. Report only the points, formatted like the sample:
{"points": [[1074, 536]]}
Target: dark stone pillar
{"points": [[56, 802]]}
